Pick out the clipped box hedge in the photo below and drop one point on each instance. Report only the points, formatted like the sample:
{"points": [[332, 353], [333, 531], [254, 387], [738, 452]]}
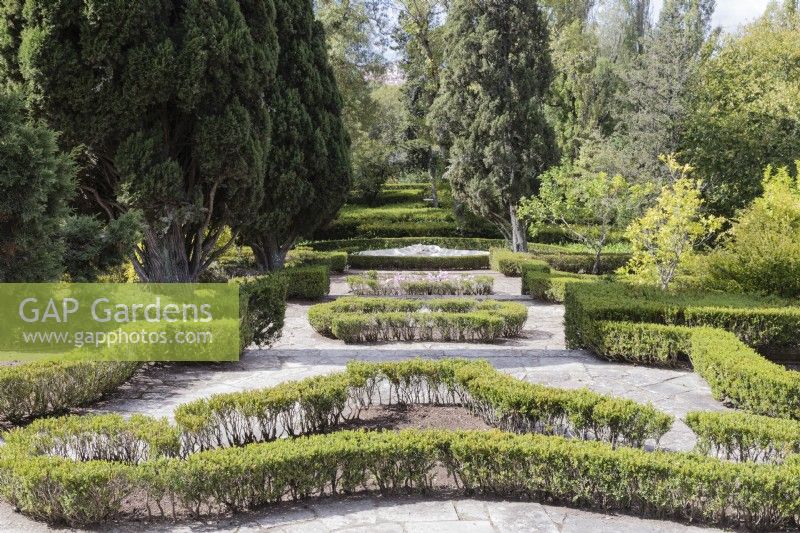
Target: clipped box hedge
{"points": [[390, 262], [433, 284], [359, 245], [550, 286], [511, 264], [308, 283], [745, 437], [643, 325], [304, 257], [319, 404], [358, 320]]}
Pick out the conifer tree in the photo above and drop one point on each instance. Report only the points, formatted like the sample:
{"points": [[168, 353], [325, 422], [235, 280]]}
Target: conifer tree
{"points": [[168, 101], [491, 107], [308, 174]]}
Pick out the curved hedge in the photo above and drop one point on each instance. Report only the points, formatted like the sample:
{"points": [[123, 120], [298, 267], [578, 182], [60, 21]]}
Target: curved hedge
{"points": [[640, 325], [35, 389], [319, 404], [354, 319]]}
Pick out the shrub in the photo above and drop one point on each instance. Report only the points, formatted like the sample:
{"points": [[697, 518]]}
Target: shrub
{"points": [[543, 468], [583, 263], [643, 325], [441, 284], [384, 319], [745, 437], [390, 262], [41, 388], [262, 308], [308, 283], [761, 252], [303, 256], [359, 245], [511, 263], [550, 287]]}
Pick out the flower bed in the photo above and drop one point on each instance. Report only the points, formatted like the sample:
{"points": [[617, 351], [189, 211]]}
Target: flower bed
{"points": [[358, 320], [440, 283]]}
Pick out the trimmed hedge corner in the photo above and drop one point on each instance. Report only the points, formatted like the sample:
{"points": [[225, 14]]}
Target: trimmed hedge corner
{"points": [[550, 286], [308, 283]]}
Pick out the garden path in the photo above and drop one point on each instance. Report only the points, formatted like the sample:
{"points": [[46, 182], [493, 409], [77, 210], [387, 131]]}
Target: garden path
{"points": [[539, 357], [370, 514]]}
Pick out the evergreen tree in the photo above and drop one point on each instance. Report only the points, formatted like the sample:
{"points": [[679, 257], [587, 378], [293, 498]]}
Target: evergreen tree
{"points": [[308, 175], [36, 182], [491, 107], [658, 88], [167, 101]]}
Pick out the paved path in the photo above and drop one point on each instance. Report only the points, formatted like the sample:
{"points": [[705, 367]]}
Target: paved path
{"points": [[539, 357], [369, 514]]}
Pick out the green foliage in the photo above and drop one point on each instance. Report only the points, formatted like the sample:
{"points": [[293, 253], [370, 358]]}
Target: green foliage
{"points": [[665, 237], [303, 256], [180, 131], [745, 437], [512, 264], [308, 282], [391, 262], [262, 308], [490, 107], [550, 286], [372, 284], [94, 248], [37, 389], [761, 252], [358, 320], [588, 207], [658, 90], [308, 173], [645, 325], [36, 182], [745, 110], [358, 245]]}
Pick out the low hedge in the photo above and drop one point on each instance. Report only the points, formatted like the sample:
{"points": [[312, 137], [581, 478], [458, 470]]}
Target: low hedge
{"points": [[319, 404], [438, 284], [653, 328], [541, 468], [512, 264], [303, 257], [389, 262], [35, 389], [356, 320], [42, 388], [584, 263], [763, 323], [550, 286], [308, 283], [745, 437], [262, 308], [359, 245]]}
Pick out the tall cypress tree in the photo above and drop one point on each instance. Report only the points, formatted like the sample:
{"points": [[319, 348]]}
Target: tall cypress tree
{"points": [[168, 101], [491, 107], [308, 175]]}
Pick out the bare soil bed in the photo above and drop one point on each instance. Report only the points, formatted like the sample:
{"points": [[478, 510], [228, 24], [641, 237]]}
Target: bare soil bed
{"points": [[416, 416]]}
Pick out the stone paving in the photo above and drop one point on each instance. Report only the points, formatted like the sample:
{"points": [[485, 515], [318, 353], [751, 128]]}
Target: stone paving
{"points": [[367, 514], [539, 357]]}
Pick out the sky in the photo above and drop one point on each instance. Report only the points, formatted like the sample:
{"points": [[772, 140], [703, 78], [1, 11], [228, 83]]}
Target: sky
{"points": [[730, 14]]}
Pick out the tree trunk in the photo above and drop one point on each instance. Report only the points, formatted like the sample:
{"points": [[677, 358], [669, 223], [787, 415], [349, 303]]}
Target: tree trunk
{"points": [[519, 234], [163, 258], [269, 255], [596, 266], [433, 177]]}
